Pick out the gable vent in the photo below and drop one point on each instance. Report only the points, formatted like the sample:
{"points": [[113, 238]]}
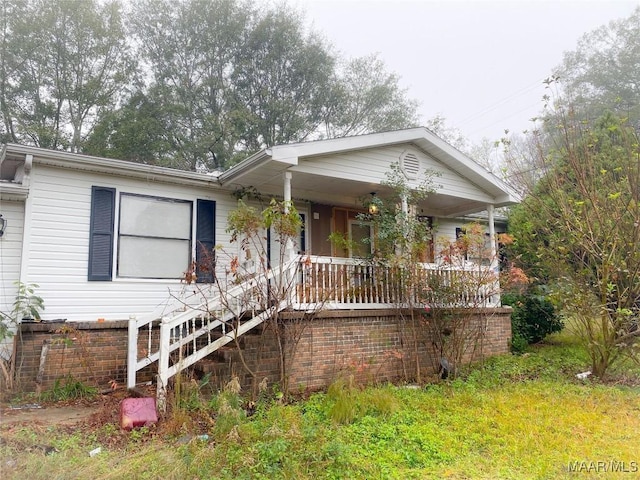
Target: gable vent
{"points": [[410, 165]]}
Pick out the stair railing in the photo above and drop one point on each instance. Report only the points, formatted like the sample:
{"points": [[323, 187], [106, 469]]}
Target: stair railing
{"points": [[192, 334]]}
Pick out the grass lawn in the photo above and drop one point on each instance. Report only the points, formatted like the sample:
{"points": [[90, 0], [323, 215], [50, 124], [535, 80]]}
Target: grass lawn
{"points": [[513, 417]]}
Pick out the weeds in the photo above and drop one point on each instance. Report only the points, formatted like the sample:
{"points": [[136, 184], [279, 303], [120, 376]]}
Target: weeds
{"points": [[516, 417], [348, 402], [344, 395], [66, 389]]}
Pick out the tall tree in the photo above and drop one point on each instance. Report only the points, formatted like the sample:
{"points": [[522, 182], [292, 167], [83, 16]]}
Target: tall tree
{"points": [[190, 47], [9, 12], [135, 132], [282, 79], [603, 72], [69, 60], [367, 99], [218, 80], [30, 113], [580, 228]]}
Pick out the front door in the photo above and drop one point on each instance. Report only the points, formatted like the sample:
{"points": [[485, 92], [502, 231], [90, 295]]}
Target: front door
{"points": [[352, 232]]}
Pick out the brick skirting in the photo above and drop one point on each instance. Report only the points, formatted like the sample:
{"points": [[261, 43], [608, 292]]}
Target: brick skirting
{"points": [[373, 345]]}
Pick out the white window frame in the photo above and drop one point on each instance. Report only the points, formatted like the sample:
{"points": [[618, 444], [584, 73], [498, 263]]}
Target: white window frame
{"points": [[157, 246]]}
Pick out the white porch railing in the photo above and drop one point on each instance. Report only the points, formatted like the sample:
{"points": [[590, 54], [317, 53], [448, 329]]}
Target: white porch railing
{"points": [[353, 283], [313, 282]]}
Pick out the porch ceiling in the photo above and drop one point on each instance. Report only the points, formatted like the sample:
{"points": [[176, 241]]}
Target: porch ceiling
{"points": [[268, 179]]}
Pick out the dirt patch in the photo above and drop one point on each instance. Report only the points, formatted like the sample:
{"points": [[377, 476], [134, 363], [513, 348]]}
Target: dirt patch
{"points": [[53, 415], [91, 412]]}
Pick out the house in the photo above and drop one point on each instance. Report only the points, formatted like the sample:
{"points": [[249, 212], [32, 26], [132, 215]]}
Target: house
{"points": [[107, 241]]}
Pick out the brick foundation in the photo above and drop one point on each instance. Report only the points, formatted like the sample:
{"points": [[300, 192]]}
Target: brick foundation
{"points": [[371, 345]]}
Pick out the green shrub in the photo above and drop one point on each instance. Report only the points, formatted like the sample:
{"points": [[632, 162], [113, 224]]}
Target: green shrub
{"points": [[533, 318]]}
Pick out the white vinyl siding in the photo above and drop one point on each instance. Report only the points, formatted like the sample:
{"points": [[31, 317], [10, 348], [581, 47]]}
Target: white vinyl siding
{"points": [[59, 246], [372, 166], [10, 252]]}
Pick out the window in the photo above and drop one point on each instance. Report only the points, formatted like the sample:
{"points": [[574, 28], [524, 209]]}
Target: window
{"points": [[479, 254], [361, 239], [154, 237]]}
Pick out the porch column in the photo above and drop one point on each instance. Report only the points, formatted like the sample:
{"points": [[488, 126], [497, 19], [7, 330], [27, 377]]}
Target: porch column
{"points": [[494, 299], [404, 208], [287, 190], [404, 205], [492, 239], [289, 252]]}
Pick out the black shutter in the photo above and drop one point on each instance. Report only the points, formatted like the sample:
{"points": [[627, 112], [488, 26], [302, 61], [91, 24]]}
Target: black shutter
{"points": [[103, 202], [302, 248], [205, 240]]}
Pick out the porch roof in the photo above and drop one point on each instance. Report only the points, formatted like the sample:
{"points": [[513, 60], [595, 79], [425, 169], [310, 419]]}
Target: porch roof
{"points": [[347, 181]]}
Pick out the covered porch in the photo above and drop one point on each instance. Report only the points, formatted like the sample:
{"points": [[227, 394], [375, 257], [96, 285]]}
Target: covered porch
{"points": [[332, 182]]}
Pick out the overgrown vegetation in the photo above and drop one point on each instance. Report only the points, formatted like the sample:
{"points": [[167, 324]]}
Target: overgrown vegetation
{"points": [[579, 231], [28, 305], [257, 274], [435, 303], [511, 417], [68, 388], [533, 318]]}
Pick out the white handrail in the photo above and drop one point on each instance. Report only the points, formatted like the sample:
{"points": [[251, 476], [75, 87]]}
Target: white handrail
{"points": [[187, 326]]}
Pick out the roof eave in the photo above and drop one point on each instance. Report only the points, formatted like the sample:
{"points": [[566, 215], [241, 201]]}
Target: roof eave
{"points": [[107, 165], [284, 155], [245, 166], [10, 191]]}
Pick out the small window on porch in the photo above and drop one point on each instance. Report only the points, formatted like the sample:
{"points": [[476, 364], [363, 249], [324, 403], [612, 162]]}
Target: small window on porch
{"points": [[360, 239]]}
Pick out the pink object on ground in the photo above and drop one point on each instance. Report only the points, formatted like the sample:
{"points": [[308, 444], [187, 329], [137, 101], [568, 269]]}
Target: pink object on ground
{"points": [[137, 412]]}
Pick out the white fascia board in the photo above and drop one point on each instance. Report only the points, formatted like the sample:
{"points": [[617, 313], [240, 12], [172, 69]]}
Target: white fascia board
{"points": [[285, 155], [10, 191], [506, 200], [472, 170], [336, 145], [111, 166], [421, 137], [245, 166]]}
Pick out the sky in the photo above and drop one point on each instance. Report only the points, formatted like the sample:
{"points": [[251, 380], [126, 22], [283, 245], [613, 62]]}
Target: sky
{"points": [[480, 64]]}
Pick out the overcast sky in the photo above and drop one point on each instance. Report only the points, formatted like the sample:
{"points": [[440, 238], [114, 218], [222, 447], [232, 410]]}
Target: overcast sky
{"points": [[480, 63]]}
